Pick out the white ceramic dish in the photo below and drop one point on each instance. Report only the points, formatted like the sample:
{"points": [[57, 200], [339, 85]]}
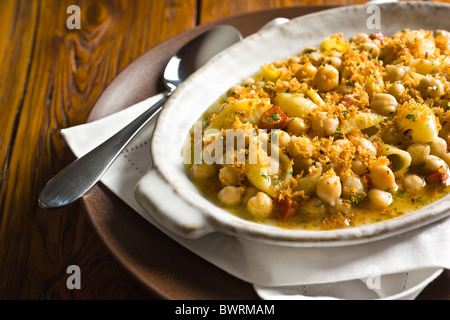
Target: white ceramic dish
{"points": [[166, 191]]}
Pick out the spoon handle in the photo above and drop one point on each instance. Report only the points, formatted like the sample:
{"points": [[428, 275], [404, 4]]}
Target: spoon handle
{"points": [[81, 175]]}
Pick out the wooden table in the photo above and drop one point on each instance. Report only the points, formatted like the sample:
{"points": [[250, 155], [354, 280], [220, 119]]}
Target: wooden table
{"points": [[50, 78]]}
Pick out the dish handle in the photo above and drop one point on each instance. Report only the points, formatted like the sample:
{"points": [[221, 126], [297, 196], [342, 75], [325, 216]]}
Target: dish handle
{"points": [[171, 212]]}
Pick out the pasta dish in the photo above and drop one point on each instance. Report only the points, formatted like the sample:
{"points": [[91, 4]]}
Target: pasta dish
{"points": [[351, 132]]}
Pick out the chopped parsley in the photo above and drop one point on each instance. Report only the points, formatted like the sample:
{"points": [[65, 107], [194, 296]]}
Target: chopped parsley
{"points": [[276, 116], [338, 131], [310, 50]]}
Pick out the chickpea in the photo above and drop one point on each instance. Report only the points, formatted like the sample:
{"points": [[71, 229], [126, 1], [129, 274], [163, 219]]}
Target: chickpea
{"points": [[234, 90], [204, 171], [316, 58], [358, 167], [353, 188], [343, 89], [260, 205], [446, 158], [329, 188], [230, 195], [248, 82], [283, 138], [430, 87], [297, 126], [379, 198], [371, 48], [228, 176], [413, 182], [360, 38], [315, 206], [418, 152], [394, 73], [443, 33], [384, 104], [367, 146], [424, 67], [334, 61], [330, 126], [306, 71], [326, 78], [438, 147], [433, 164], [299, 146], [396, 90], [325, 125], [383, 178], [342, 143]]}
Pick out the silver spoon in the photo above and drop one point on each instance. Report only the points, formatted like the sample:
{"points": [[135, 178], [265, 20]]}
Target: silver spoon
{"points": [[275, 22], [81, 175]]}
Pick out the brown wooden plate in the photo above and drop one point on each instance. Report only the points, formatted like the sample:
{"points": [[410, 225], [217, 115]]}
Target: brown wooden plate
{"points": [[166, 268]]}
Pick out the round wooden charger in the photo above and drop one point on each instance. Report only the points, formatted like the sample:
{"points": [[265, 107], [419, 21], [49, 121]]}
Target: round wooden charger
{"points": [[160, 264]]}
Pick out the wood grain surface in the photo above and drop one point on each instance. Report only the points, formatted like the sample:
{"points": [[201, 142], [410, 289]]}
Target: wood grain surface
{"points": [[50, 78]]}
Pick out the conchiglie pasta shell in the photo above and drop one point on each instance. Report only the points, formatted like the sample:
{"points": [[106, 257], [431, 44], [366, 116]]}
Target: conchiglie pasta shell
{"points": [[400, 159]]}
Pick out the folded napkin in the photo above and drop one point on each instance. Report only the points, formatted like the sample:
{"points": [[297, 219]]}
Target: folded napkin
{"points": [[395, 268]]}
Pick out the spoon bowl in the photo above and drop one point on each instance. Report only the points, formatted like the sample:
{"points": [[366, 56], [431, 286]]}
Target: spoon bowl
{"points": [[80, 176]]}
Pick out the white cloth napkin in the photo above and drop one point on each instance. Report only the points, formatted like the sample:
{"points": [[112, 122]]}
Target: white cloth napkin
{"points": [[395, 268]]}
